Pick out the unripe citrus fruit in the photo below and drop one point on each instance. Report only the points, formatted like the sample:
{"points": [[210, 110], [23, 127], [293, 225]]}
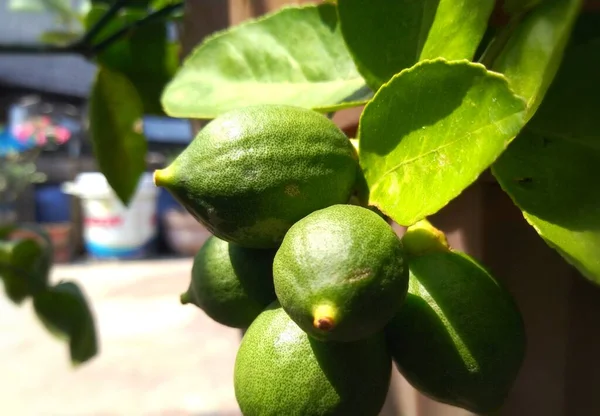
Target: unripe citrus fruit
{"points": [[231, 284], [459, 337], [340, 272], [280, 370], [252, 172]]}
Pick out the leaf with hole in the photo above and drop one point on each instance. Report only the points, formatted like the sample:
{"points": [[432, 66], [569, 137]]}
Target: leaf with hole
{"points": [[431, 131], [294, 56], [115, 127], [551, 170], [386, 37]]}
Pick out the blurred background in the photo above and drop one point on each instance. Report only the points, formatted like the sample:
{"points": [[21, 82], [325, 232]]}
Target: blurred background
{"points": [[158, 357]]}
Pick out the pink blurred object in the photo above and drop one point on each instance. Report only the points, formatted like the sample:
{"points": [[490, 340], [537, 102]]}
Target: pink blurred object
{"points": [[184, 234]]}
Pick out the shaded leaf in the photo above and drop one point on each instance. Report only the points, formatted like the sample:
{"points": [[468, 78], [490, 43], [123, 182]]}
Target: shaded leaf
{"points": [[115, 116], [386, 37], [551, 170], [534, 51], [144, 56], [24, 268], [553, 180], [572, 105], [294, 56], [65, 312], [431, 131]]}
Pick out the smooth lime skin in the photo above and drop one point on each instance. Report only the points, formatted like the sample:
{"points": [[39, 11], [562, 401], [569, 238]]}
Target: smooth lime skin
{"points": [[349, 258], [253, 172], [232, 284], [459, 337], [280, 370]]}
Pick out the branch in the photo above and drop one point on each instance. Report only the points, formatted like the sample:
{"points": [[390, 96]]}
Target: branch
{"points": [[85, 49], [42, 49], [101, 23], [157, 15]]}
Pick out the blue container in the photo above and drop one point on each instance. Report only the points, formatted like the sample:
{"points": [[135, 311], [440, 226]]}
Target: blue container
{"points": [[51, 204]]}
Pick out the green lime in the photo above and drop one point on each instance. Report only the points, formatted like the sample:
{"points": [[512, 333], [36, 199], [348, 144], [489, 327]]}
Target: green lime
{"points": [[231, 284], [280, 370], [340, 272], [459, 337], [253, 172]]}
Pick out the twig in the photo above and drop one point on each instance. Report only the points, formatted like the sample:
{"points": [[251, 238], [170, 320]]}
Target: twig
{"points": [[81, 47], [101, 23], [42, 49], [157, 15]]}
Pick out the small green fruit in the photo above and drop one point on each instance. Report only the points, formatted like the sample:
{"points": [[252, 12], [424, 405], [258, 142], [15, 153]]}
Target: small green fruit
{"points": [[280, 370], [253, 172], [340, 272], [231, 284], [459, 337]]}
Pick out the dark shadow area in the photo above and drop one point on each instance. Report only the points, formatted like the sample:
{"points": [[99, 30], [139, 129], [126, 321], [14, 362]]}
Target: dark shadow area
{"points": [[254, 269], [358, 371], [553, 179]]}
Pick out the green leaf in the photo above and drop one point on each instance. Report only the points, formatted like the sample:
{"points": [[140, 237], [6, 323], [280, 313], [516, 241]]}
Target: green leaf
{"points": [[551, 171], [144, 56], [430, 132], [553, 180], [24, 268], [360, 97], [120, 148], [386, 37], [294, 56], [534, 51], [64, 311], [571, 107]]}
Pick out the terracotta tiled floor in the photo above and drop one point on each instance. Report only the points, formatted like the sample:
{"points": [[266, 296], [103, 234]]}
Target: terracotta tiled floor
{"points": [[157, 357]]}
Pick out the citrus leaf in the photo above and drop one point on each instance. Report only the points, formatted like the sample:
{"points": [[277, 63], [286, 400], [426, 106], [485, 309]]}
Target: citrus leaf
{"points": [[571, 106], [119, 147], [358, 98], [553, 180], [24, 268], [144, 55], [294, 56], [64, 311], [551, 171], [407, 31], [430, 132], [534, 51]]}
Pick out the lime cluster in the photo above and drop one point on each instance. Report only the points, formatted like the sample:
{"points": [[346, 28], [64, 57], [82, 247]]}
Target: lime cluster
{"points": [[329, 294]]}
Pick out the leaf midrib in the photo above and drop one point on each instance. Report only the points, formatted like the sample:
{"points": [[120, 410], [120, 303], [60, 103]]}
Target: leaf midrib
{"points": [[439, 148]]}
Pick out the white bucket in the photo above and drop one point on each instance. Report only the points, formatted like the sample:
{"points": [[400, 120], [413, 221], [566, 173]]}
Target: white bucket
{"points": [[111, 230]]}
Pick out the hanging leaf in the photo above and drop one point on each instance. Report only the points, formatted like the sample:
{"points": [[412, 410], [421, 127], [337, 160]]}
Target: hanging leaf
{"points": [[64, 311], [144, 56], [386, 37], [115, 116], [533, 53], [24, 267], [551, 170], [295, 56], [430, 132]]}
